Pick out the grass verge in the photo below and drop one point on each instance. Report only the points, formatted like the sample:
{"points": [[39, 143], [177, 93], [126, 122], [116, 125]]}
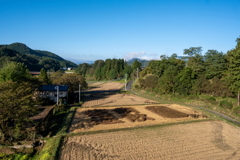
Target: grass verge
{"points": [[50, 150]]}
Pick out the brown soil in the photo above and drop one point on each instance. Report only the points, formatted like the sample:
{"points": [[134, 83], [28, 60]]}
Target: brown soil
{"points": [[92, 119], [171, 113], [201, 140], [105, 86], [115, 100]]}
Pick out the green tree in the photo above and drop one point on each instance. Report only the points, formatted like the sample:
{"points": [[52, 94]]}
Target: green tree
{"points": [[192, 51], [50, 64], [233, 73], [82, 69], [167, 81], [13, 71], [72, 80], [136, 64], [215, 64], [196, 60], [16, 107], [112, 74], [44, 77], [184, 81], [56, 75]]}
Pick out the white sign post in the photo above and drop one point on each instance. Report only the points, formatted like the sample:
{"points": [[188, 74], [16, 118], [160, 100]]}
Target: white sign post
{"points": [[79, 93], [125, 81], [57, 88]]}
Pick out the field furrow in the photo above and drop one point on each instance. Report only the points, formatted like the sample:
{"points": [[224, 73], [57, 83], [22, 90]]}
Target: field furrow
{"points": [[183, 141]]}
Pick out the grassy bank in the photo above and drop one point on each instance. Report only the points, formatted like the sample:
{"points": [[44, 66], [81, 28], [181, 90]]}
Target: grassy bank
{"points": [[50, 150]]}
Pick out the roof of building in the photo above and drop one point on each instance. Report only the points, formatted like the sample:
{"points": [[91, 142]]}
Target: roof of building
{"points": [[53, 88]]}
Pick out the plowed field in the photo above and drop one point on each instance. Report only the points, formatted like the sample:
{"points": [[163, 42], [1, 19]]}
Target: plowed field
{"points": [[104, 118], [210, 140]]}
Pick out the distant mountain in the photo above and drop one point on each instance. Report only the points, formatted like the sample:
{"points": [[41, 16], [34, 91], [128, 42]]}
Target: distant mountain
{"points": [[89, 62], [34, 59], [143, 62]]}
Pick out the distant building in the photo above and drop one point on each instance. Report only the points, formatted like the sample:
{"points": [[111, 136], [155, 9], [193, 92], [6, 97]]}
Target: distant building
{"points": [[50, 91], [35, 73]]}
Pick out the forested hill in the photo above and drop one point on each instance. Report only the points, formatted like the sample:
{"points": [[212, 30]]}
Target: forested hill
{"points": [[143, 62], [34, 59]]}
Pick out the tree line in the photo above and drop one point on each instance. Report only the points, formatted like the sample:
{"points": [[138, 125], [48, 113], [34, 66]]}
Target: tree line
{"points": [[214, 73], [109, 69]]}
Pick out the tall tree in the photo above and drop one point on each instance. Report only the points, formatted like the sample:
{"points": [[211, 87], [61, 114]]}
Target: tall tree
{"points": [[72, 80], [44, 77], [136, 64], [184, 81], [167, 81], [195, 60], [215, 64], [233, 74], [13, 71], [16, 106]]}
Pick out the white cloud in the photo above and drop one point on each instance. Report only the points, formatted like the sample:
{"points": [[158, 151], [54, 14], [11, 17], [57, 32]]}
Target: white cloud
{"points": [[149, 58], [141, 55], [153, 54], [132, 55]]}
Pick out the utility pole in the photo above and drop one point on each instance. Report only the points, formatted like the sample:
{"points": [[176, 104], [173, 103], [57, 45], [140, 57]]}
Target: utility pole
{"points": [[137, 72], [238, 98], [79, 93], [125, 81], [57, 88]]}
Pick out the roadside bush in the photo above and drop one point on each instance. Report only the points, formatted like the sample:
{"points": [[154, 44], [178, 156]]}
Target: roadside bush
{"points": [[149, 81], [211, 100], [225, 104], [237, 110], [192, 97]]}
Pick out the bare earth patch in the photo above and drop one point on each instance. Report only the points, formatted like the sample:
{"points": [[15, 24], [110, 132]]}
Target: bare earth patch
{"points": [[105, 118], [106, 86], [115, 99], [201, 140]]}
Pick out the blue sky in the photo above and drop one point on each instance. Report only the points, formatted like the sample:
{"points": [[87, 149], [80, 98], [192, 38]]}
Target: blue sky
{"points": [[87, 30]]}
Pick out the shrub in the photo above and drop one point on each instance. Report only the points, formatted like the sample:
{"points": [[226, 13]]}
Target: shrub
{"points": [[225, 104], [192, 97], [211, 100]]}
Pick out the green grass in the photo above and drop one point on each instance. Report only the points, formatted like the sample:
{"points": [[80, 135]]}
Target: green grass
{"points": [[51, 149]]}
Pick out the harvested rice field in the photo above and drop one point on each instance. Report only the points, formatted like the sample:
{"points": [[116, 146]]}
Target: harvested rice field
{"points": [[208, 140], [139, 135], [105, 118], [98, 86], [115, 99]]}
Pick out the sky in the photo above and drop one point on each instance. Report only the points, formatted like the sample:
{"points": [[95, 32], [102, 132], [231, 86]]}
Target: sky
{"points": [[88, 30]]}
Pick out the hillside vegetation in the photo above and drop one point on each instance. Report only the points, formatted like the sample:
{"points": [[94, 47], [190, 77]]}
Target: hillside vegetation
{"points": [[33, 59]]}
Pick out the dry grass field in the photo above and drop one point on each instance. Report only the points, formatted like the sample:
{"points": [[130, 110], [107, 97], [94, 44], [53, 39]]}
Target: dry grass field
{"points": [[209, 140], [105, 86], [115, 99], [198, 140]]}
